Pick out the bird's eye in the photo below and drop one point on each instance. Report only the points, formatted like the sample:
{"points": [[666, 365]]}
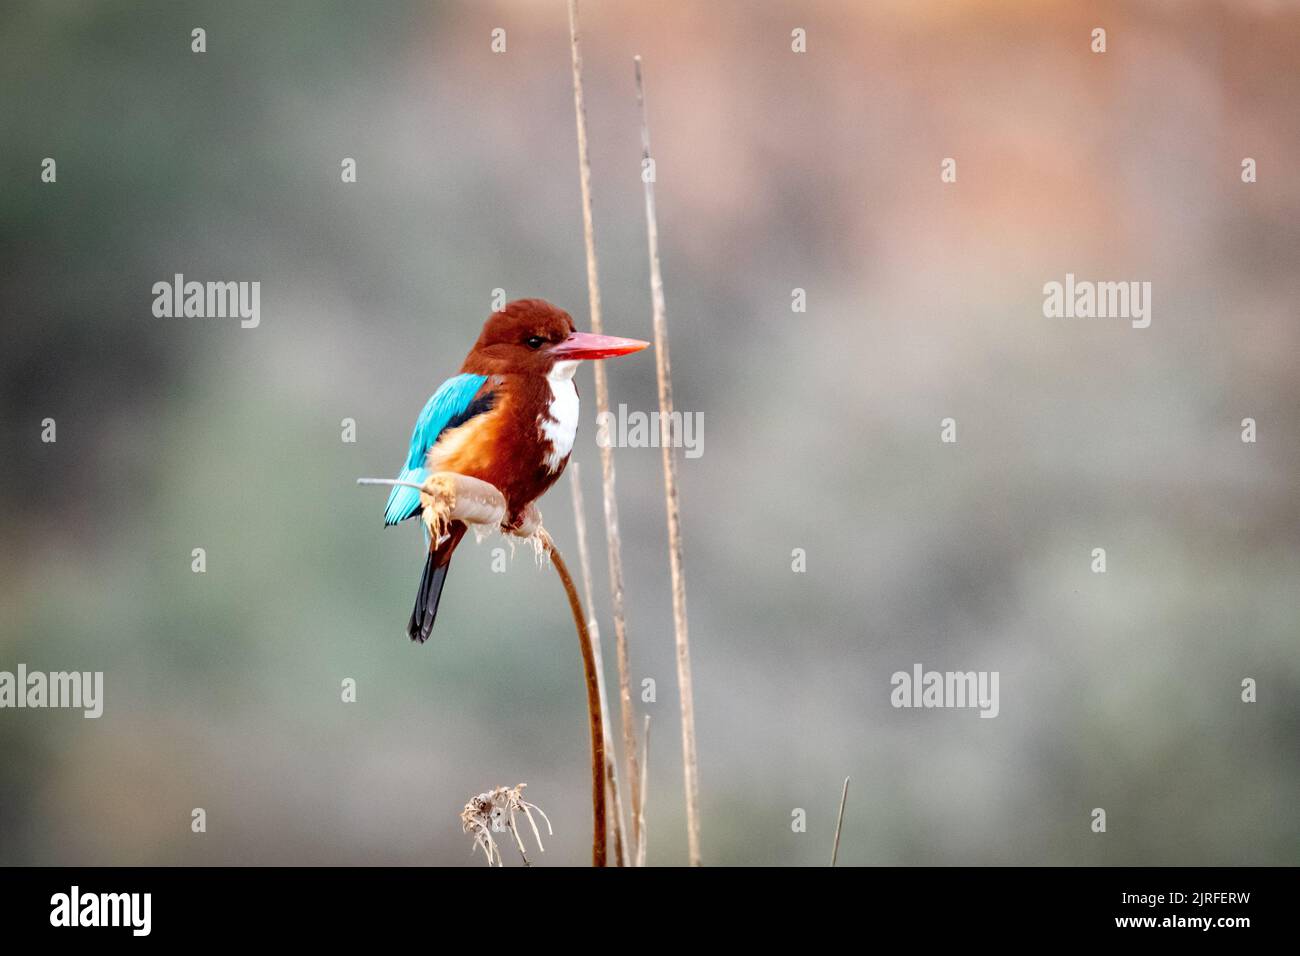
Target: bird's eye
{"points": [[534, 342]]}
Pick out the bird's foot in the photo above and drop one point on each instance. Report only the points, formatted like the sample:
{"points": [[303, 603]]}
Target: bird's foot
{"points": [[528, 526]]}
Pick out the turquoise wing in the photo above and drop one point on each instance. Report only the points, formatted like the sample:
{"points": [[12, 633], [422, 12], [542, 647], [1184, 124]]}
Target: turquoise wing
{"points": [[451, 405]]}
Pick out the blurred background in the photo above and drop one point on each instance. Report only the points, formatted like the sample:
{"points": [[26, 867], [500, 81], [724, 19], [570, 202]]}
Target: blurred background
{"points": [[776, 171]]}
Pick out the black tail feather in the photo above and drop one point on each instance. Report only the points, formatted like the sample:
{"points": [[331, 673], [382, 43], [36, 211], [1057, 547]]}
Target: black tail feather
{"points": [[431, 582], [426, 600]]}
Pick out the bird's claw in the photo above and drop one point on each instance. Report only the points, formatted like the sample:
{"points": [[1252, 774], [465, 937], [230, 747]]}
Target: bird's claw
{"points": [[526, 524]]}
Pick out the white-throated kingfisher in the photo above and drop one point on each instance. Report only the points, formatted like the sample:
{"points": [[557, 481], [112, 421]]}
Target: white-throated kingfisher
{"points": [[509, 418]]}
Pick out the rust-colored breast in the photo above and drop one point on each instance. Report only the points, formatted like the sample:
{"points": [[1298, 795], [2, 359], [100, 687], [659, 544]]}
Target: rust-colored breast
{"points": [[504, 446]]}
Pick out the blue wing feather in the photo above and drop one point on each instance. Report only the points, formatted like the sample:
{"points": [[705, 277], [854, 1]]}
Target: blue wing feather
{"points": [[447, 405]]}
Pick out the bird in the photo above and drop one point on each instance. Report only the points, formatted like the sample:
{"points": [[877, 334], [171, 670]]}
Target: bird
{"points": [[508, 418]]}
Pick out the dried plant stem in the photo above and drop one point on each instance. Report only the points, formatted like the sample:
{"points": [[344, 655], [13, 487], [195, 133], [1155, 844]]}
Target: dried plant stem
{"points": [[839, 824], [593, 626], [446, 496], [663, 371], [606, 452], [590, 671], [612, 796], [645, 788]]}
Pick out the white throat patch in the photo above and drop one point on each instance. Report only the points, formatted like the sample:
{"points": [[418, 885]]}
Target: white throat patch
{"points": [[561, 424]]}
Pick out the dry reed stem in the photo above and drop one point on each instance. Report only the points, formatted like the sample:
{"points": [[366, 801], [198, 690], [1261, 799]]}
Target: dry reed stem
{"points": [[598, 821], [593, 626], [839, 824], [663, 370], [645, 789], [612, 796], [606, 452]]}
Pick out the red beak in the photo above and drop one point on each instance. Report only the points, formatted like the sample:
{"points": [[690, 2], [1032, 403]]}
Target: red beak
{"points": [[585, 345]]}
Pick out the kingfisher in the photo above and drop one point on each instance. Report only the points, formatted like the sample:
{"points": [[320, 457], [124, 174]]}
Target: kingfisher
{"points": [[509, 418]]}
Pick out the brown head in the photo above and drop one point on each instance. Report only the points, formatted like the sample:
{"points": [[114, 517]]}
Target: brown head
{"points": [[529, 336]]}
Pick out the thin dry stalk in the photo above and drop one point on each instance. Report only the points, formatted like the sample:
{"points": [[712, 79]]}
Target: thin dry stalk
{"points": [[612, 795], [606, 452], [663, 371], [598, 820], [645, 789], [839, 824], [584, 565]]}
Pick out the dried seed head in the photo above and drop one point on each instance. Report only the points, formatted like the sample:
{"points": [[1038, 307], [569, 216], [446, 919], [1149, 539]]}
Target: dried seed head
{"points": [[494, 812]]}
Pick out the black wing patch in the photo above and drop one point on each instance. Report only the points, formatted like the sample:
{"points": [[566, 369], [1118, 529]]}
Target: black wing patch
{"points": [[481, 404]]}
